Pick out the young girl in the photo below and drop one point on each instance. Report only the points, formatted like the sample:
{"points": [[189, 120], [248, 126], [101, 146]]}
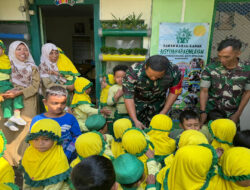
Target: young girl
{"points": [[120, 126], [89, 144], [9, 105], [134, 142], [192, 168], [107, 82], [81, 103], [188, 137], [7, 175], [234, 170], [223, 132], [44, 163], [160, 127]]}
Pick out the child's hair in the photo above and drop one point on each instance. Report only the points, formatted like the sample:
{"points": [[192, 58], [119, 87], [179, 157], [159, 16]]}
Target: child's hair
{"points": [[56, 91], [120, 68], [93, 173], [242, 138], [216, 114], [188, 114]]}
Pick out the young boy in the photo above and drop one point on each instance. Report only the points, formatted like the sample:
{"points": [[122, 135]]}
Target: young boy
{"points": [[9, 105], [115, 95], [55, 100], [130, 172], [98, 123], [188, 120]]}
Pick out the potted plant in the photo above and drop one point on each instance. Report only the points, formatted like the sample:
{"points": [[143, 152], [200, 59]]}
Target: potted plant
{"points": [[128, 51], [104, 49], [112, 50], [121, 51], [136, 51], [143, 51]]}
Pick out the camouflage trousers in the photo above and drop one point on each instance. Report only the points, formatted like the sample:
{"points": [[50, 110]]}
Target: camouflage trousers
{"points": [[146, 110]]}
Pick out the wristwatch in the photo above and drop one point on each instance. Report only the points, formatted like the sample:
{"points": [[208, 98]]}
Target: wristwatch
{"points": [[202, 111]]}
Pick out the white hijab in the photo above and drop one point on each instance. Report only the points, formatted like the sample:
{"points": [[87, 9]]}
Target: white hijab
{"points": [[21, 71], [46, 65]]}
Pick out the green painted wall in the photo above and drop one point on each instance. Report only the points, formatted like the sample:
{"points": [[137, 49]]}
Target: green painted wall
{"points": [[171, 11]]}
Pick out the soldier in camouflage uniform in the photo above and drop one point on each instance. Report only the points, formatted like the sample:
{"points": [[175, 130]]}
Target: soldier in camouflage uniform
{"points": [[145, 89], [226, 85]]}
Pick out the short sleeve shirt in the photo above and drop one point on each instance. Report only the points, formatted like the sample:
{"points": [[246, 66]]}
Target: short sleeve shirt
{"points": [[226, 87]]}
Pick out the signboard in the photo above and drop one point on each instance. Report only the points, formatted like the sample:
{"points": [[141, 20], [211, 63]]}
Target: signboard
{"points": [[185, 44], [68, 2]]}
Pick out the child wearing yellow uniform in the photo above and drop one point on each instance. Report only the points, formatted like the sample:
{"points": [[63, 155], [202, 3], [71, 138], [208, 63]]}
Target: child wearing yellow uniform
{"points": [[192, 169], [98, 123], [7, 175], [44, 163], [234, 172], [89, 144], [115, 95], [107, 82], [81, 103], [158, 131], [135, 142], [120, 126], [9, 106], [223, 132], [188, 137]]}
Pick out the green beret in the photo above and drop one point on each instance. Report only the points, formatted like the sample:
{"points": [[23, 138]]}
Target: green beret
{"points": [[95, 122], [128, 169]]}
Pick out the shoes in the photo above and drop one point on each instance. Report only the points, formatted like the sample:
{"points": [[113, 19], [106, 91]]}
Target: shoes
{"points": [[11, 126], [17, 120]]}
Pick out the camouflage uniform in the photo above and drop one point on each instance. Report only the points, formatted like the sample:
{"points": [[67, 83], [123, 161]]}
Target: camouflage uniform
{"points": [[150, 96], [225, 86]]}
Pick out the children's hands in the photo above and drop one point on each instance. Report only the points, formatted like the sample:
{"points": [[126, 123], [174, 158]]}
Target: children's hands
{"points": [[150, 153], [150, 179], [105, 111], [139, 125], [118, 94]]}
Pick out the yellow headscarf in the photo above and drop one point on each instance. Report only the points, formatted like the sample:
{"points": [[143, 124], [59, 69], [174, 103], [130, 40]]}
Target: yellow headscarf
{"points": [[235, 166], [45, 168], [120, 126], [8, 186], [159, 129], [7, 174], [135, 142], [192, 169], [89, 144], [188, 137], [104, 94], [66, 67], [80, 97], [5, 66], [223, 132]]}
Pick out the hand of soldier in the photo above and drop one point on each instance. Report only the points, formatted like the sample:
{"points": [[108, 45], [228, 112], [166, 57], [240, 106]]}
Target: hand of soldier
{"points": [[70, 87], [235, 118], [151, 179], [139, 125], [203, 117]]}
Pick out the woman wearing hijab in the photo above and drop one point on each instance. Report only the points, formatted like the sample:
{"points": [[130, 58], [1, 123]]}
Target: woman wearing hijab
{"points": [[56, 69], [25, 79]]}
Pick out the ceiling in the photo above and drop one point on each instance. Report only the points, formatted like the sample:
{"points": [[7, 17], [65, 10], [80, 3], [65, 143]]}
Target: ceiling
{"points": [[67, 10]]}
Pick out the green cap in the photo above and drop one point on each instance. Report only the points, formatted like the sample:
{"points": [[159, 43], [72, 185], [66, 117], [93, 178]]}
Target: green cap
{"points": [[95, 122], [128, 169]]}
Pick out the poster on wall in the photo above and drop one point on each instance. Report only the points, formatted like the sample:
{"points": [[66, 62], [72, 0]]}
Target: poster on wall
{"points": [[185, 44]]}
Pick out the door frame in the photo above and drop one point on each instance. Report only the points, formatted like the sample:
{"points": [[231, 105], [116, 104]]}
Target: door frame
{"points": [[35, 34]]}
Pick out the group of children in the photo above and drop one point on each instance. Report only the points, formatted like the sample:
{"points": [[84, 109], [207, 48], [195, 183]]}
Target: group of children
{"points": [[98, 148]]}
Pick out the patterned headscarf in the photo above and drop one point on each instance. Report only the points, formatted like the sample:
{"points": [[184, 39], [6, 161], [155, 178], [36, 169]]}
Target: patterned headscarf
{"points": [[21, 71]]}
